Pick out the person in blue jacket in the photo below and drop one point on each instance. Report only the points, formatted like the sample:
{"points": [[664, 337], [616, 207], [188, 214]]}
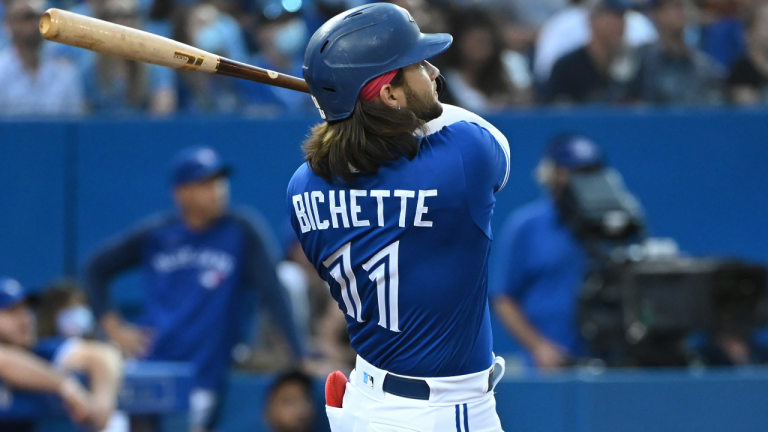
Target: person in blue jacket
{"points": [[201, 266], [541, 264]]}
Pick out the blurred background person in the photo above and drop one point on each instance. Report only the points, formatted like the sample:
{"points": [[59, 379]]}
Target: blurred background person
{"points": [[118, 86], [281, 37], [748, 78], [101, 363], [600, 71], [290, 406], [22, 370], [570, 29], [205, 26], [672, 72], [533, 12], [63, 311], [315, 311], [475, 71], [722, 34], [542, 264], [33, 83], [203, 267], [429, 17]]}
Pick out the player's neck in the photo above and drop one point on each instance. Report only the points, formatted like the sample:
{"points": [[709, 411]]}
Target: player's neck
{"points": [[199, 222]]}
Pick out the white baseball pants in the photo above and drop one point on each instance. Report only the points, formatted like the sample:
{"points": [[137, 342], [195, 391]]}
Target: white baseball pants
{"points": [[460, 404]]}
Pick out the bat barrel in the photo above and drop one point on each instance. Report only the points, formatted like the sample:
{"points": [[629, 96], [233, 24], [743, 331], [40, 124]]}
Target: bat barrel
{"points": [[109, 38]]}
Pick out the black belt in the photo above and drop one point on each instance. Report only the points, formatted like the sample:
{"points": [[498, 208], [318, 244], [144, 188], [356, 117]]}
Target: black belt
{"points": [[416, 388]]}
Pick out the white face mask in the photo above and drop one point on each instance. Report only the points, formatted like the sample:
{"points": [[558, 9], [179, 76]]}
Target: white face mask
{"points": [[76, 321]]}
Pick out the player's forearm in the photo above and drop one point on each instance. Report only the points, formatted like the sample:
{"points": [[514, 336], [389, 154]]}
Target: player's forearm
{"points": [[104, 366], [510, 313], [25, 371]]}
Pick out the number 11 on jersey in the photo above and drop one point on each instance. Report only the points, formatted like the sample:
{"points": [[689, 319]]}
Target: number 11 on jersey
{"points": [[382, 269]]}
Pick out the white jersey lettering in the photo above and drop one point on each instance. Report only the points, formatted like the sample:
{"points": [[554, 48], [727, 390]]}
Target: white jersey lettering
{"points": [[421, 209], [355, 209]]}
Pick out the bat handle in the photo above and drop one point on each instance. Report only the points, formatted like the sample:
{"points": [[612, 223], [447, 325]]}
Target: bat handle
{"points": [[236, 69]]}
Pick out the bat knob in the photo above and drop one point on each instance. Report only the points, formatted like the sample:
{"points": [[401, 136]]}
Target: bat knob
{"points": [[48, 23]]}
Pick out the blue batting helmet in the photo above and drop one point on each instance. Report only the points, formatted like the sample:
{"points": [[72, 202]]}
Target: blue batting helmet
{"points": [[358, 45]]}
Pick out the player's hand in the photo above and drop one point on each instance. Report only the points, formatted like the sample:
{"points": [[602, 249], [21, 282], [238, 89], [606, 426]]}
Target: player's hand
{"points": [[76, 399], [735, 347], [548, 355], [131, 340]]}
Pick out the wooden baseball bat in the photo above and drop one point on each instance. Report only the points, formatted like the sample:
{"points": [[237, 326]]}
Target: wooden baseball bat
{"points": [[109, 38]]}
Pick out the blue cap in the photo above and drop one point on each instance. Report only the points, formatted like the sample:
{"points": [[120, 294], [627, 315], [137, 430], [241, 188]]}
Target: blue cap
{"points": [[196, 164], [11, 293], [575, 152]]}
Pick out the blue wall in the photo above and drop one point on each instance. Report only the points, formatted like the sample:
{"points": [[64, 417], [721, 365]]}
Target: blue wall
{"points": [[715, 400], [68, 186]]}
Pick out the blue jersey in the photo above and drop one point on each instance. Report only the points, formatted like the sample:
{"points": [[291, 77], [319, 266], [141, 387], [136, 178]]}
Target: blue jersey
{"points": [[542, 267], [55, 349], [199, 284], [405, 251]]}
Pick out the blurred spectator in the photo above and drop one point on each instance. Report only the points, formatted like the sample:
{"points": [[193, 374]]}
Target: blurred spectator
{"points": [[542, 264], [206, 27], [722, 32], [475, 71], [5, 38], [599, 72], [33, 83], [671, 71], [290, 407], [100, 362], [570, 29], [748, 80], [22, 370], [63, 311], [117, 86], [202, 268], [321, 315], [533, 12], [429, 18], [282, 37]]}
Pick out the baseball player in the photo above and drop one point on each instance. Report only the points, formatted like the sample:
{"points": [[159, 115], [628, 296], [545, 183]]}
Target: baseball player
{"points": [[393, 208], [94, 409], [201, 267]]}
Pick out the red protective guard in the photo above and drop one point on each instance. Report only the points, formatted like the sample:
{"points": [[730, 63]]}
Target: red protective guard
{"points": [[334, 389]]}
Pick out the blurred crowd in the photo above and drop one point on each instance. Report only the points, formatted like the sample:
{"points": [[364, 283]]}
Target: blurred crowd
{"points": [[506, 54]]}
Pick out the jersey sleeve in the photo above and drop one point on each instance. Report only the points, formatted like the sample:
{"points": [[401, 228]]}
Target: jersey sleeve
{"points": [[259, 273], [56, 349], [484, 148], [115, 258]]}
